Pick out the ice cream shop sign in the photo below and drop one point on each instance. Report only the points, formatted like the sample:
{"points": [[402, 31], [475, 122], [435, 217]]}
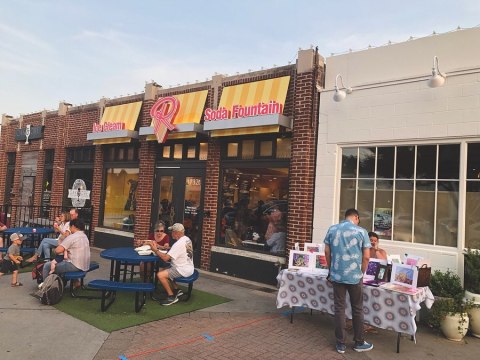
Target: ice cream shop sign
{"points": [[108, 126], [240, 111]]}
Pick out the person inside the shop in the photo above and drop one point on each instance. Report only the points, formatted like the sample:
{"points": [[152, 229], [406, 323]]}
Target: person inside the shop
{"points": [[180, 257], [375, 251]]}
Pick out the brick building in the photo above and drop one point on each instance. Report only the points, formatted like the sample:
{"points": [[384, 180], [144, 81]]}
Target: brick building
{"points": [[237, 168]]}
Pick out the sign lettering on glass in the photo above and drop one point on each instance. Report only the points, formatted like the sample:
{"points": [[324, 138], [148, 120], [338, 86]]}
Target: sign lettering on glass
{"points": [[79, 193], [240, 111]]}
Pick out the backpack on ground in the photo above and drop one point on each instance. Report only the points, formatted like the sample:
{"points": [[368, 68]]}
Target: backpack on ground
{"points": [[37, 272], [51, 291]]}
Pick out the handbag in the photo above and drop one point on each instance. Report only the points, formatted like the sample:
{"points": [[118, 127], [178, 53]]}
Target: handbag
{"points": [[424, 275]]}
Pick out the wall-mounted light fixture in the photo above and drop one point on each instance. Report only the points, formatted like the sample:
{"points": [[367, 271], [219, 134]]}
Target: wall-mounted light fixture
{"points": [[341, 92], [438, 78]]}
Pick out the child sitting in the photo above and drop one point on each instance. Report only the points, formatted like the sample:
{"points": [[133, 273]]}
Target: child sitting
{"points": [[13, 259], [58, 259]]}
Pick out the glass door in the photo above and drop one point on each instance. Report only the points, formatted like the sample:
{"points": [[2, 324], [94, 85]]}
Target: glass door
{"points": [[180, 199]]}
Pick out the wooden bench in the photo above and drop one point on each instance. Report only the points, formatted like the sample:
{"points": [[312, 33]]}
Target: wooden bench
{"points": [[111, 287], [188, 280], [79, 275]]}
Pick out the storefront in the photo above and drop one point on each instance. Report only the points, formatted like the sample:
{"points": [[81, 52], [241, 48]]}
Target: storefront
{"points": [[402, 148], [231, 158]]}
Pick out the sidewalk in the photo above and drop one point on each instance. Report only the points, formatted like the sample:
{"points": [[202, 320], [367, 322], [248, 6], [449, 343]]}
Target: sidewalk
{"points": [[247, 327]]}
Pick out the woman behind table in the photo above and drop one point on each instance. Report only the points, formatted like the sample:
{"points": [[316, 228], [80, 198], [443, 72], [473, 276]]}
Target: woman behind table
{"points": [[161, 238], [62, 227]]}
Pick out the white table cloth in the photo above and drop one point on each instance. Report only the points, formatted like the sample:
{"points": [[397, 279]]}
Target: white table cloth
{"points": [[382, 308]]}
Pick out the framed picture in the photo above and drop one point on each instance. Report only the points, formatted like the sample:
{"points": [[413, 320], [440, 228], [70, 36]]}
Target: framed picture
{"points": [[319, 263], [300, 260], [405, 275], [314, 248], [394, 259]]}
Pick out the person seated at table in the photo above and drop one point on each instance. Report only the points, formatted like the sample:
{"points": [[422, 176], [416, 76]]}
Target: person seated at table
{"points": [[12, 259], [180, 257], [375, 251], [277, 241], [2, 228], [78, 248], [62, 228], [161, 238]]}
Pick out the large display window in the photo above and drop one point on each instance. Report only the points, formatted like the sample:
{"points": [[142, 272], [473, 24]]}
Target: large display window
{"points": [[404, 193], [254, 208]]}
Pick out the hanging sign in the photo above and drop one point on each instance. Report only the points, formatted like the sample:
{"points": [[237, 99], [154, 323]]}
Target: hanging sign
{"points": [[79, 193], [164, 112]]}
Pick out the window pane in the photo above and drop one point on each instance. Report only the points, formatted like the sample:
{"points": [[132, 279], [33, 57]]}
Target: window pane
{"points": [[402, 216], [284, 148], [178, 151], [424, 212], [121, 154], [120, 198], [426, 161], [448, 161], [255, 208], [347, 197], [266, 148], [385, 161], [166, 152], [447, 213], [473, 161], [405, 162], [131, 153], [166, 212], [383, 209], [203, 151], [349, 163], [365, 203], [248, 149], [232, 150], [472, 214], [191, 152], [366, 162]]}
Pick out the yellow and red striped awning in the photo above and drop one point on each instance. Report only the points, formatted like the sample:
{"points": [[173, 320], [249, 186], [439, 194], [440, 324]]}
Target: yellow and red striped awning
{"points": [[125, 113], [191, 111], [250, 94]]}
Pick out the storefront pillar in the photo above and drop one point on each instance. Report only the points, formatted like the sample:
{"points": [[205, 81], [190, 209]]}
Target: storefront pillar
{"points": [[210, 202]]}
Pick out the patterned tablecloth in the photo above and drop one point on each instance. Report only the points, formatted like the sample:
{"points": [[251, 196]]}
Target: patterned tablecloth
{"points": [[382, 308]]}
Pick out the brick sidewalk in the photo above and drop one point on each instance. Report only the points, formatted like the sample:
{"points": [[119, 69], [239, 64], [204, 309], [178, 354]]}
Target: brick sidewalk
{"points": [[206, 335]]}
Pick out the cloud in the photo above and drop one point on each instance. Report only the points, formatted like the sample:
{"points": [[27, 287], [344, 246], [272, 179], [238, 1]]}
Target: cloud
{"points": [[8, 32]]}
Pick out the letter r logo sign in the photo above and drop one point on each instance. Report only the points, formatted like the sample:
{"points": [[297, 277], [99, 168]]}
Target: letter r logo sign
{"points": [[163, 113]]}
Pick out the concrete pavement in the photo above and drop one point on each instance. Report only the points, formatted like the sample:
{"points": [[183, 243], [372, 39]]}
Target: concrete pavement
{"points": [[246, 327]]}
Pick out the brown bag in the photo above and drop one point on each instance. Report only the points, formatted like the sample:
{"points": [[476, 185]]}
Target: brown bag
{"points": [[424, 274]]}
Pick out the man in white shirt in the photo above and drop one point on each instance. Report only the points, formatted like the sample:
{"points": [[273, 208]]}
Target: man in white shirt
{"points": [[181, 258]]}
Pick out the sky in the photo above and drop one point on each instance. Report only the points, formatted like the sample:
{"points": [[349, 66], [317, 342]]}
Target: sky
{"points": [[81, 51]]}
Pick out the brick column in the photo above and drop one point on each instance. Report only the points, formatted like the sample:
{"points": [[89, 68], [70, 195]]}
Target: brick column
{"points": [[302, 162], [96, 189], [210, 201]]}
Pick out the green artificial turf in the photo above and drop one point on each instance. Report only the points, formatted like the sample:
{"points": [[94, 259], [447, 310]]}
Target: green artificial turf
{"points": [[121, 314]]}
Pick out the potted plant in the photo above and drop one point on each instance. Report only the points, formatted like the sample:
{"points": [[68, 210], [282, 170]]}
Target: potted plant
{"points": [[472, 288], [446, 284], [449, 311]]}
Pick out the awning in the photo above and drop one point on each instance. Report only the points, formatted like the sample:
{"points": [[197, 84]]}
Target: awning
{"points": [[187, 121], [117, 124], [249, 96]]}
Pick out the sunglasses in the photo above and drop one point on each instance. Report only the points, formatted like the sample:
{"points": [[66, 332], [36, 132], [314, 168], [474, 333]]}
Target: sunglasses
{"points": [[158, 230]]}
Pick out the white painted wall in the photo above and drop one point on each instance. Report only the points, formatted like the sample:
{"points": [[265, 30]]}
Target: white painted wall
{"points": [[392, 104]]}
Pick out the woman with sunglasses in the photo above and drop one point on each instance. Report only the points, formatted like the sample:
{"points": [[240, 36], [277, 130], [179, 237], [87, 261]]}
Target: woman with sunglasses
{"points": [[161, 237]]}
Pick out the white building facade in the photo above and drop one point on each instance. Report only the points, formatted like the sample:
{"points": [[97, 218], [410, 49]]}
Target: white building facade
{"points": [[406, 155]]}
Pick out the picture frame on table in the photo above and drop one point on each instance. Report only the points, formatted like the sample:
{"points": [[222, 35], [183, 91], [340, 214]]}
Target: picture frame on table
{"points": [[314, 248], [405, 275], [394, 259], [319, 263], [298, 260]]}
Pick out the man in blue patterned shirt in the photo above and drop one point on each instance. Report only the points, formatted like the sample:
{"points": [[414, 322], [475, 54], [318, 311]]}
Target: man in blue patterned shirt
{"points": [[347, 252]]}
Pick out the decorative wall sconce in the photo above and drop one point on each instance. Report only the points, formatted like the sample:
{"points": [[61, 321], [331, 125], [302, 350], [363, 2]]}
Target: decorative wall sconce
{"points": [[438, 78], [341, 93]]}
